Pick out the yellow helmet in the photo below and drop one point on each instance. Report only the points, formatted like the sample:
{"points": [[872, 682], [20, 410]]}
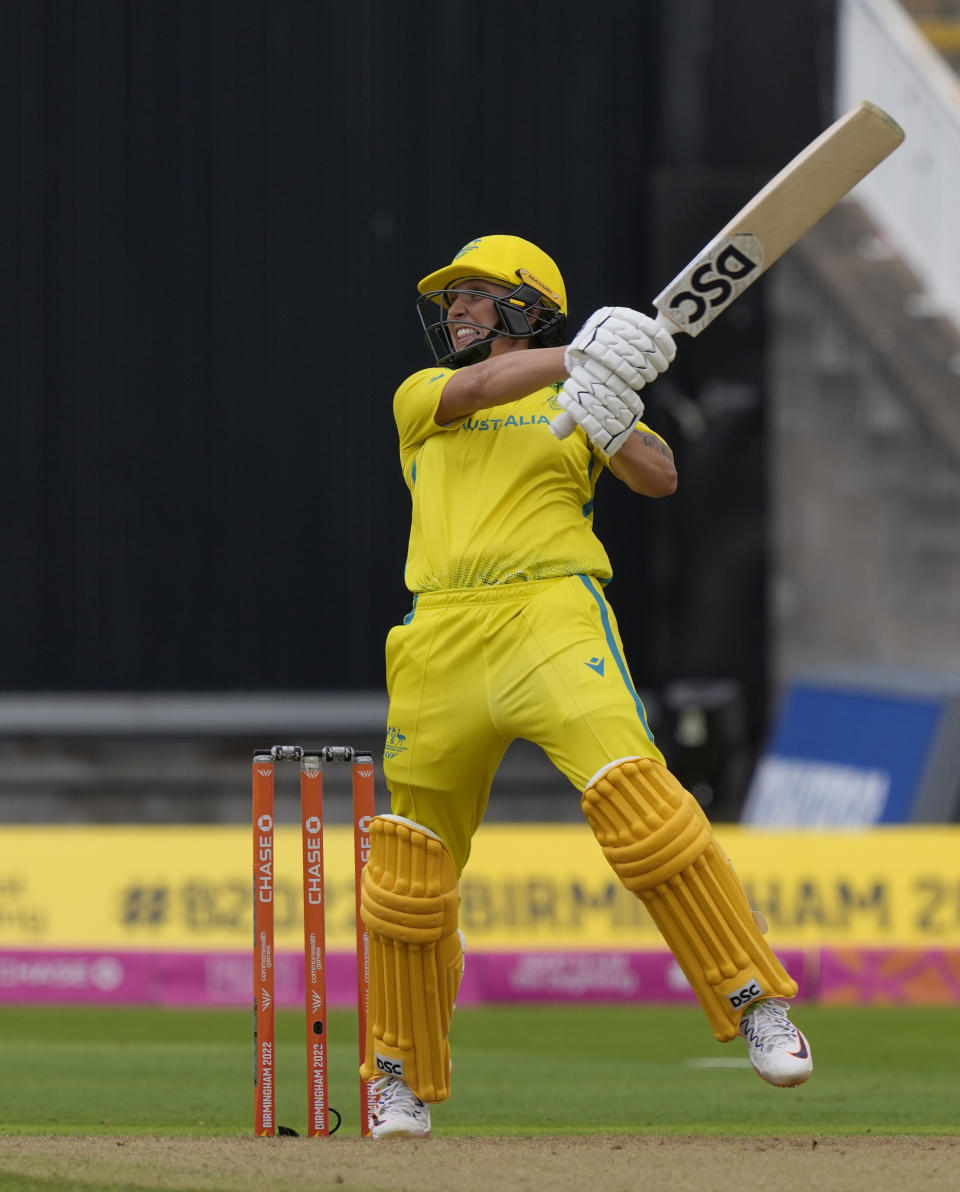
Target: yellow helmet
{"points": [[535, 308], [506, 259]]}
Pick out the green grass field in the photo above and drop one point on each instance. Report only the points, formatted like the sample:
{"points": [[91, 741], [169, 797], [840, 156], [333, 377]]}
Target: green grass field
{"points": [[529, 1071]]}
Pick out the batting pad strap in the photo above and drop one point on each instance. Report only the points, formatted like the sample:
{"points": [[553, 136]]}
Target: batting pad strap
{"points": [[661, 845], [410, 905]]}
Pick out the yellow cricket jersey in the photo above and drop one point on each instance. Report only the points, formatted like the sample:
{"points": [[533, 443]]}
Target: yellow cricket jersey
{"points": [[497, 498]]}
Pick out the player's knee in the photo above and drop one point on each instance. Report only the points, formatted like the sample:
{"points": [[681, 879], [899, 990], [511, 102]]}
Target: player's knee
{"points": [[409, 889], [647, 824]]}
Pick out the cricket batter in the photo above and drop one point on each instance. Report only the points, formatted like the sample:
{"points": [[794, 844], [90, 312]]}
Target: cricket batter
{"points": [[510, 635]]}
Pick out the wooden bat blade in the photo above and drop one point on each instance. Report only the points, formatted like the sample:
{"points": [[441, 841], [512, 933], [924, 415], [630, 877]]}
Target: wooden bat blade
{"points": [[778, 215]]}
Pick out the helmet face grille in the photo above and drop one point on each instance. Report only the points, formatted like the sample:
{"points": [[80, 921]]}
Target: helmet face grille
{"points": [[524, 313]]}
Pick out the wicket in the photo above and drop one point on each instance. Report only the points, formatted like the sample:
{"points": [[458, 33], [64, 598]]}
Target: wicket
{"points": [[314, 925]]}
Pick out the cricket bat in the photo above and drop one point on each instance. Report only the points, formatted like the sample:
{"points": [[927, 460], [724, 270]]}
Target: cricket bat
{"points": [[774, 219]]}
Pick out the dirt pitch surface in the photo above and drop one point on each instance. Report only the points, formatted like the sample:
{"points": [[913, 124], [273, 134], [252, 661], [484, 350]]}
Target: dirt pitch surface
{"points": [[603, 1164]]}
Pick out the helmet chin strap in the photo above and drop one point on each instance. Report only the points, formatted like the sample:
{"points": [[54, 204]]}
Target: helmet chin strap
{"points": [[473, 353]]}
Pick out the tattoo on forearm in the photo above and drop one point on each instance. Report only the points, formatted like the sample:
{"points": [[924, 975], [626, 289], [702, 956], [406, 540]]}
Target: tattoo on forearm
{"points": [[654, 443]]}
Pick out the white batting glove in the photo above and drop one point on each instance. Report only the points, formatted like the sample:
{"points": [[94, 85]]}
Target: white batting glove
{"points": [[627, 342], [603, 404]]}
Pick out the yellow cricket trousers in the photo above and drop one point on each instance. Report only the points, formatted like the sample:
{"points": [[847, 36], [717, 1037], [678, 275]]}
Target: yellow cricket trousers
{"points": [[471, 670]]}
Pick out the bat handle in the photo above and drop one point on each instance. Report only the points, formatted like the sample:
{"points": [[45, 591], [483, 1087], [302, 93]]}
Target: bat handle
{"points": [[563, 425]]}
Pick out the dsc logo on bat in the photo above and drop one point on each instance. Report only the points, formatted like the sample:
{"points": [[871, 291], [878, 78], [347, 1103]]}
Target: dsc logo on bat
{"points": [[721, 273]]}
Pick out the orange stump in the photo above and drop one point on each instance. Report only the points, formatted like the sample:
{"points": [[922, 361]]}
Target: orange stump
{"points": [[314, 944], [263, 972], [363, 812]]}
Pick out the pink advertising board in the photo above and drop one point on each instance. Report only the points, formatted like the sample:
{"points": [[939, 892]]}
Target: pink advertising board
{"points": [[225, 978]]}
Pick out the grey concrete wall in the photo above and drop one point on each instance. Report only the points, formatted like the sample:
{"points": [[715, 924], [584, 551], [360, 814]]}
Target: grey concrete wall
{"points": [[864, 460]]}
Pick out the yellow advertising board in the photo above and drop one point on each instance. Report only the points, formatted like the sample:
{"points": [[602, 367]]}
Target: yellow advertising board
{"points": [[527, 886]]}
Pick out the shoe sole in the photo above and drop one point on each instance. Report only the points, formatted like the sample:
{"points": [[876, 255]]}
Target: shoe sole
{"points": [[787, 1083]]}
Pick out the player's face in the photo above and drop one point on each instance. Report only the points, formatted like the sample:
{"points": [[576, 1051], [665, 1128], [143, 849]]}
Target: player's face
{"points": [[471, 315]]}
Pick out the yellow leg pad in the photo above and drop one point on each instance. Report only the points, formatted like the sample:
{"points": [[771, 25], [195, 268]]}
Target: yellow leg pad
{"points": [[410, 905], [661, 846]]}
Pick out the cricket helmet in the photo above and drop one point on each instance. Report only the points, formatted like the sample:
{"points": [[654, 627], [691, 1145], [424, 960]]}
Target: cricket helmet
{"points": [[535, 307]]}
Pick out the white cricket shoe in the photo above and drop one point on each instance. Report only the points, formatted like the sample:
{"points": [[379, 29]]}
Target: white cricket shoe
{"points": [[397, 1111], [778, 1051]]}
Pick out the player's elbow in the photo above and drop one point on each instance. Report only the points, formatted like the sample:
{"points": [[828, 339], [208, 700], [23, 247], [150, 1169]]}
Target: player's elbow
{"points": [[659, 483], [667, 483]]}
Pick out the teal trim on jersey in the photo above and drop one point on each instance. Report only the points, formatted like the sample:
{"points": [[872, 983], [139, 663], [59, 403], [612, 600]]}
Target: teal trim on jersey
{"points": [[409, 617], [588, 507], [618, 658], [413, 484]]}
